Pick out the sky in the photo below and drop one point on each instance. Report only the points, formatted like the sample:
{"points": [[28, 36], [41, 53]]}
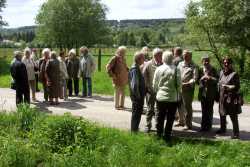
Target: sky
{"points": [[23, 12]]}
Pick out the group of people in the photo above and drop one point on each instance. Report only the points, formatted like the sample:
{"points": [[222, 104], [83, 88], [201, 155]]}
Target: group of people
{"points": [[57, 74], [168, 80]]}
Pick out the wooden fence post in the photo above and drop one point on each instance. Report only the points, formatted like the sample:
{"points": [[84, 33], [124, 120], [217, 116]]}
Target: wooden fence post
{"points": [[100, 60]]}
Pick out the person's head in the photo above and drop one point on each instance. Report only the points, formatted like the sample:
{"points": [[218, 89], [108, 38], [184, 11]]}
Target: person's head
{"points": [[72, 53], [121, 51], [27, 52], [18, 55], [53, 55], [34, 50], [205, 60], [145, 50], [84, 50], [227, 63], [139, 58], [177, 51], [157, 55], [187, 56], [62, 54], [167, 57], [46, 53]]}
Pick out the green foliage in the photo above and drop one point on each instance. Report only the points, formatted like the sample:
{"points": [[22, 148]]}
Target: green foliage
{"points": [[68, 24], [2, 5]]}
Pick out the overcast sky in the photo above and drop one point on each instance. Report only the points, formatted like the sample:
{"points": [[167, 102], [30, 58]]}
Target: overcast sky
{"points": [[22, 12]]}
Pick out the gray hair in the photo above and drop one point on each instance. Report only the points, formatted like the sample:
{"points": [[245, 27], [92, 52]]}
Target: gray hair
{"points": [[120, 49], [17, 54], [45, 50], [137, 56], [72, 51], [167, 57], [156, 51], [53, 55], [27, 50]]}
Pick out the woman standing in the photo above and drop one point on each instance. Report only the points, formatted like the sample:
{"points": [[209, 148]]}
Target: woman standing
{"points": [[30, 67], [63, 76], [229, 104], [52, 73], [166, 84]]}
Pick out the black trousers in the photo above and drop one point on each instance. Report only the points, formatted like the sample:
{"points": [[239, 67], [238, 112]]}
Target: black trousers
{"points": [[37, 80], [76, 86], [235, 122], [165, 109], [22, 95], [207, 113], [137, 109]]}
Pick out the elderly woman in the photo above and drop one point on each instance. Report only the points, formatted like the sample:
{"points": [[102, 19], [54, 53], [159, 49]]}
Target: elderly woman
{"points": [[87, 68], [63, 76], [166, 84], [72, 64], [118, 71], [229, 104], [146, 51], [30, 66], [52, 73], [42, 78], [137, 90], [20, 77]]}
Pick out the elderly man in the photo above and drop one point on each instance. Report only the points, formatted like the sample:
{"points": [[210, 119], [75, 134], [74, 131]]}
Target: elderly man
{"points": [[207, 92], [20, 77], [118, 70], [166, 84], [137, 90], [72, 64], [87, 67], [148, 73], [189, 76]]}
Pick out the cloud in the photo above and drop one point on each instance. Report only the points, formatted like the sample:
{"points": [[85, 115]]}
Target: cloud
{"points": [[22, 12]]}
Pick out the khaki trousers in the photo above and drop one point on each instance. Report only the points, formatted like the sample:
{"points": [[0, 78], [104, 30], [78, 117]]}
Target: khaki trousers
{"points": [[119, 96]]}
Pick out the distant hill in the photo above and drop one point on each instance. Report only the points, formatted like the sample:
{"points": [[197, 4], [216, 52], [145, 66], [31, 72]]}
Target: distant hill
{"points": [[112, 23]]}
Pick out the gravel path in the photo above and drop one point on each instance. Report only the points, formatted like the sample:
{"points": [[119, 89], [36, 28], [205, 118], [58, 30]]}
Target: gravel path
{"points": [[100, 109]]}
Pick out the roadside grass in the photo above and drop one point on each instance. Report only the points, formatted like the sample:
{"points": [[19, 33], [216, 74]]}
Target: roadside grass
{"points": [[31, 138]]}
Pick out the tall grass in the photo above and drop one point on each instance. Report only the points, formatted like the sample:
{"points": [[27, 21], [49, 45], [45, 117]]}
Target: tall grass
{"points": [[70, 141]]}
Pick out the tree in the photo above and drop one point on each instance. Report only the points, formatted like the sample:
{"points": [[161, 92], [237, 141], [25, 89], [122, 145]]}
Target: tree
{"points": [[222, 23], [131, 39], [123, 38], [71, 23], [144, 39], [2, 5]]}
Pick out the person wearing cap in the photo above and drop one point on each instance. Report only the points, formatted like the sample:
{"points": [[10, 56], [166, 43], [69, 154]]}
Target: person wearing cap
{"points": [[166, 84], [87, 68], [137, 90], [30, 66], [148, 74], [208, 79], [117, 69], [72, 63], [19, 74], [52, 74], [189, 76]]}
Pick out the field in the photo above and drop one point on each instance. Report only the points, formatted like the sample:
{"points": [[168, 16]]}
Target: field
{"points": [[102, 83], [31, 138]]}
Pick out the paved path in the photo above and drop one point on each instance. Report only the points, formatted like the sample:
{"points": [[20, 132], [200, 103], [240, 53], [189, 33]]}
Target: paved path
{"points": [[100, 109]]}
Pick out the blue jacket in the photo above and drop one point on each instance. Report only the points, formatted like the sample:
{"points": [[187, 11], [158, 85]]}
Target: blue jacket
{"points": [[136, 83]]}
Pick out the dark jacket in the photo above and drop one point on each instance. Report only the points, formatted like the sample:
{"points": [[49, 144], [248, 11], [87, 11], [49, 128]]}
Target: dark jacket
{"points": [[229, 98], [19, 74], [73, 66], [136, 83], [208, 88]]}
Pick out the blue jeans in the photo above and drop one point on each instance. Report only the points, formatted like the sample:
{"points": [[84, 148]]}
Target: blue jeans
{"points": [[85, 81]]}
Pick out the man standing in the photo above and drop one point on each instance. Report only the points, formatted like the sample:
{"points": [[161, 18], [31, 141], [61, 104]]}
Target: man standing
{"points": [[148, 73], [137, 90], [87, 67], [189, 76], [207, 92], [20, 77]]}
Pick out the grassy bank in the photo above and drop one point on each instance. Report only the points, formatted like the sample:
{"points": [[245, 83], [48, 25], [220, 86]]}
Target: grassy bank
{"points": [[29, 138]]}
